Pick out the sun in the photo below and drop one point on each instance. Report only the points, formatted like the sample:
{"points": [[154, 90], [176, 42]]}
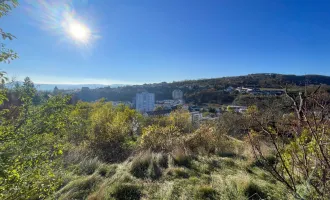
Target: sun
{"points": [[79, 31]]}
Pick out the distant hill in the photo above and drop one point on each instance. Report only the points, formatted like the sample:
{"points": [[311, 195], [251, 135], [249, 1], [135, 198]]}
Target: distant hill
{"points": [[267, 80], [203, 90], [50, 87]]}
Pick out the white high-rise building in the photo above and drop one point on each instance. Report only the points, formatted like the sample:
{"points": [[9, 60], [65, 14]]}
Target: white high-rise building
{"points": [[177, 94], [145, 102]]}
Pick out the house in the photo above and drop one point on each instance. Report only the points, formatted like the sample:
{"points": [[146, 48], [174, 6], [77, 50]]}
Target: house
{"points": [[244, 90], [196, 117], [229, 89], [240, 109]]}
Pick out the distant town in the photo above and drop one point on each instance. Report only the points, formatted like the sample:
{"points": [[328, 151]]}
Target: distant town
{"points": [[145, 102]]}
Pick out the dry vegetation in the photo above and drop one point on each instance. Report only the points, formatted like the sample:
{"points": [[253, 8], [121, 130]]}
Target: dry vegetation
{"points": [[170, 160]]}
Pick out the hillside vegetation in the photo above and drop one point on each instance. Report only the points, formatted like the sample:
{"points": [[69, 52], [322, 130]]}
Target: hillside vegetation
{"points": [[205, 90], [53, 149]]}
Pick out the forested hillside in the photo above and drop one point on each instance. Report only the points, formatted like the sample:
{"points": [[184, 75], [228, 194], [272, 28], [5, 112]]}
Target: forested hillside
{"points": [[205, 90]]}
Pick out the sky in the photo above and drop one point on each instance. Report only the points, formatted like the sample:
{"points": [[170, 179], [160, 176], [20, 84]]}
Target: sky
{"points": [[148, 41]]}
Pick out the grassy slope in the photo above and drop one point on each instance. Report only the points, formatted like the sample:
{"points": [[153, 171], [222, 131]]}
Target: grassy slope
{"points": [[207, 177]]}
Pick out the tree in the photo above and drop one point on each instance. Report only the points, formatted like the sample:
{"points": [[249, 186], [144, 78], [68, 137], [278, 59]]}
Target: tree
{"points": [[31, 143], [300, 141], [6, 54]]}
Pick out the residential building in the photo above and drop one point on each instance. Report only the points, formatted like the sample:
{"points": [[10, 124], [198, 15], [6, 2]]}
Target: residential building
{"points": [[229, 89], [177, 94], [145, 102], [196, 117], [240, 109]]}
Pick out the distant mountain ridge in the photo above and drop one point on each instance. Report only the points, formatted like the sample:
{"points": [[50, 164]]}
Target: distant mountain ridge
{"points": [[50, 87]]}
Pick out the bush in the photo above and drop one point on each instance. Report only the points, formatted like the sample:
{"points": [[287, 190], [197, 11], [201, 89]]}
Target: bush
{"points": [[111, 136], [158, 138], [181, 119], [206, 192], [181, 158], [126, 192], [203, 140]]}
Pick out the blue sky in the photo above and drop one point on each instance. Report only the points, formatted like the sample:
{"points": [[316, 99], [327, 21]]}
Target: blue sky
{"points": [[145, 41]]}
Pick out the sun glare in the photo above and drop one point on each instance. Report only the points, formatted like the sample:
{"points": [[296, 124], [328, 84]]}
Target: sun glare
{"points": [[60, 18], [79, 31]]}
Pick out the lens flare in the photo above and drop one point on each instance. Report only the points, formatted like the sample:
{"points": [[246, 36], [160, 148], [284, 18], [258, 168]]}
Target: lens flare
{"points": [[60, 18]]}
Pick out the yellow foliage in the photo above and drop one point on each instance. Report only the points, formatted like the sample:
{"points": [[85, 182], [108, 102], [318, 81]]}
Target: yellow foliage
{"points": [[160, 138]]}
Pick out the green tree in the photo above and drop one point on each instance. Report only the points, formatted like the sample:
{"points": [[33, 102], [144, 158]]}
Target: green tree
{"points": [[31, 143], [6, 54]]}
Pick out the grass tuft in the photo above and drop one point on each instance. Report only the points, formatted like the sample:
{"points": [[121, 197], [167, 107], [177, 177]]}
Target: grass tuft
{"points": [[88, 166], [79, 189], [180, 158], [106, 170], [178, 172], [126, 192], [140, 165], [254, 192], [206, 192], [162, 160]]}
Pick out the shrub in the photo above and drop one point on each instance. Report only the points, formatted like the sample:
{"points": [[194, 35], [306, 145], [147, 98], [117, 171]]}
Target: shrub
{"points": [[206, 192], [112, 129], [126, 192], [203, 140], [158, 138], [181, 158], [181, 119]]}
